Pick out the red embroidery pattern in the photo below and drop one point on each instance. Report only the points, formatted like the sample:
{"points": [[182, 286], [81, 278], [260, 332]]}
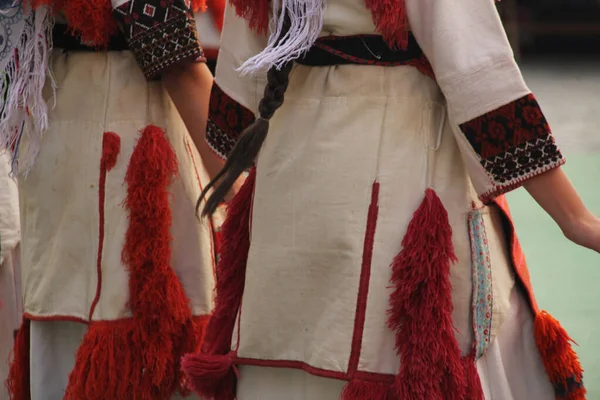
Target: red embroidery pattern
{"points": [[227, 119], [160, 32], [513, 141]]}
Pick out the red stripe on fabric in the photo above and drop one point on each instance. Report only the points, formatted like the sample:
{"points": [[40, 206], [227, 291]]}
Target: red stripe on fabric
{"points": [[365, 277], [289, 364], [212, 230], [111, 146]]}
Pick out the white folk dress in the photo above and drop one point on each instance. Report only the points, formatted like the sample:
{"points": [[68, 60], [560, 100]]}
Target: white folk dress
{"points": [[118, 273], [349, 137]]}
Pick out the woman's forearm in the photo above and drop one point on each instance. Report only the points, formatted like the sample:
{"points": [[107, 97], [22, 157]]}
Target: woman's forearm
{"points": [[189, 85], [554, 192]]}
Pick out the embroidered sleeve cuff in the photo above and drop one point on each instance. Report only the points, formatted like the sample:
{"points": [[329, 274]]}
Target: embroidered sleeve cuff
{"points": [[227, 119], [160, 33], [513, 143]]}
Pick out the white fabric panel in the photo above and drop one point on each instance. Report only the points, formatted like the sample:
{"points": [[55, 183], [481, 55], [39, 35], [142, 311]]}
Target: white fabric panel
{"points": [[510, 370]]}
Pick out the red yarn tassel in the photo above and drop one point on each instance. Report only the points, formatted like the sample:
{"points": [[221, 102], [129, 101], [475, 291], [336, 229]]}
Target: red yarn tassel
{"points": [[391, 21], [211, 372], [364, 390], [199, 5], [256, 12], [17, 382], [474, 389], [140, 357], [421, 309], [92, 20], [560, 360]]}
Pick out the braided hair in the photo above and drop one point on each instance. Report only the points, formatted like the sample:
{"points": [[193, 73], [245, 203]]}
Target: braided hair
{"points": [[245, 151]]}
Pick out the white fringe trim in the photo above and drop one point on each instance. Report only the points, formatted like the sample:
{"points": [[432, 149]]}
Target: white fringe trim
{"points": [[306, 17], [24, 114]]}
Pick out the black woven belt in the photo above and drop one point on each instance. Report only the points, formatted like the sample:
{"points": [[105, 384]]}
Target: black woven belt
{"points": [[63, 39], [359, 49]]}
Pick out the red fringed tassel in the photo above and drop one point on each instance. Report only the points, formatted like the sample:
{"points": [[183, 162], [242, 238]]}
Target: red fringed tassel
{"points": [[474, 389], [140, 357], [199, 5], [211, 373], [256, 12], [560, 360], [391, 21], [17, 382], [364, 390], [421, 309], [92, 20]]}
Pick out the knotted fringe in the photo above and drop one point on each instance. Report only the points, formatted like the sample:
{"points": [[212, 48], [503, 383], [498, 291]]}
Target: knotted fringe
{"points": [[364, 390], [140, 357], [421, 309], [560, 360], [211, 373], [17, 382], [285, 44], [23, 110]]}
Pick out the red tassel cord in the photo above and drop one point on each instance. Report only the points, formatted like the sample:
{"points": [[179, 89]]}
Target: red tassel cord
{"points": [[140, 357], [560, 360], [421, 309], [211, 373], [17, 382]]}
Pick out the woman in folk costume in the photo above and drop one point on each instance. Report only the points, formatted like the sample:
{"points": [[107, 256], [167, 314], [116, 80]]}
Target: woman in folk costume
{"points": [[370, 253], [118, 276]]}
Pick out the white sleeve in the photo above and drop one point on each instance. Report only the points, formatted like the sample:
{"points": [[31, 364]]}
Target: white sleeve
{"points": [[504, 137]]}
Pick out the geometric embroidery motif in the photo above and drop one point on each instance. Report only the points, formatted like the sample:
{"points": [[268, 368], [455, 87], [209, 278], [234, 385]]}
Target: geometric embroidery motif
{"points": [[227, 119], [513, 141], [482, 282], [160, 32]]}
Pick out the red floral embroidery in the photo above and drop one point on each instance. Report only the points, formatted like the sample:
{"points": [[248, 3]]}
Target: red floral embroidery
{"points": [[227, 119], [513, 141]]}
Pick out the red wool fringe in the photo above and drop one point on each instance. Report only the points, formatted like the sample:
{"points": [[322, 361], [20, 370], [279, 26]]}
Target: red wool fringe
{"points": [[421, 309], [211, 373], [140, 357], [364, 390], [256, 12], [17, 382], [560, 360], [200, 5], [391, 21], [92, 20], [474, 389]]}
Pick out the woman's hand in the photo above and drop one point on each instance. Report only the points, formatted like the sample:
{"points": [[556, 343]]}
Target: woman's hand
{"points": [[554, 193], [585, 232]]}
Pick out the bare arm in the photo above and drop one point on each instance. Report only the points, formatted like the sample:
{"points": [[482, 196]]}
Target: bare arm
{"points": [[188, 84], [556, 195]]}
